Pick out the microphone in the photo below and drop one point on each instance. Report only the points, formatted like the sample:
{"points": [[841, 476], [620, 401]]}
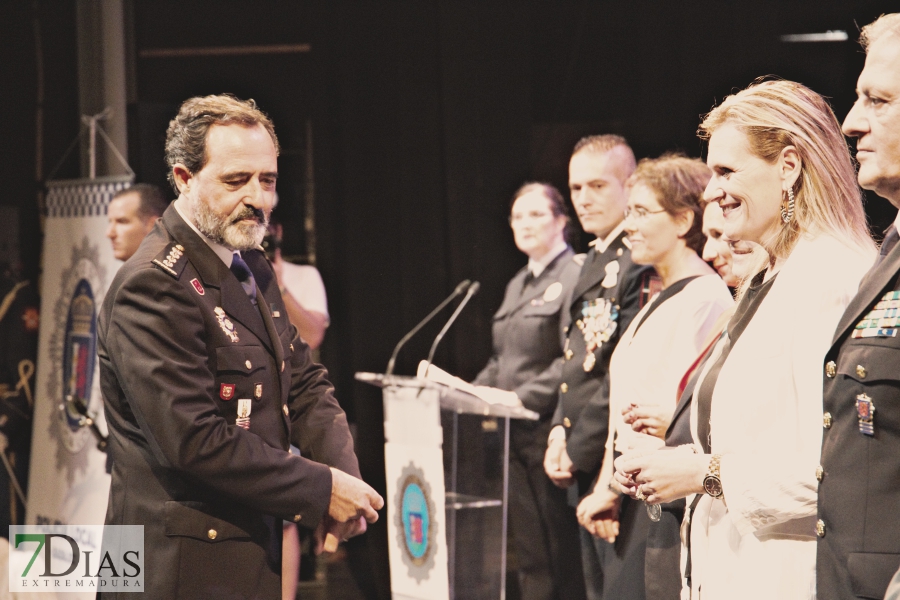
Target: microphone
{"points": [[463, 286], [473, 289]]}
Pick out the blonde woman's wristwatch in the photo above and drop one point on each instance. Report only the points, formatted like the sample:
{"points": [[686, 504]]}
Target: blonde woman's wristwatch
{"points": [[712, 483]]}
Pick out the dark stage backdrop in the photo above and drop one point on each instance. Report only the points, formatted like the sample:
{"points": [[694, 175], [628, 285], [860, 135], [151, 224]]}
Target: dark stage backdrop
{"points": [[425, 116]]}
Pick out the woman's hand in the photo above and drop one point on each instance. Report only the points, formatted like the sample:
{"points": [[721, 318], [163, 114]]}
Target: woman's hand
{"points": [[651, 419], [598, 512], [663, 475]]}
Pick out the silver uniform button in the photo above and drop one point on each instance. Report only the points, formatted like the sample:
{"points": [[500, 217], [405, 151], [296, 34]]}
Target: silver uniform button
{"points": [[248, 364]]}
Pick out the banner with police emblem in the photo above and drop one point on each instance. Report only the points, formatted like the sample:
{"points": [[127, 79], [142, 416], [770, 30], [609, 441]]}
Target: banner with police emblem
{"points": [[68, 483], [417, 534]]}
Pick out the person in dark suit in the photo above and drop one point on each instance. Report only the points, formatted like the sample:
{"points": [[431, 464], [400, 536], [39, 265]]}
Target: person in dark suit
{"points": [[206, 384], [610, 291], [527, 359], [858, 546]]}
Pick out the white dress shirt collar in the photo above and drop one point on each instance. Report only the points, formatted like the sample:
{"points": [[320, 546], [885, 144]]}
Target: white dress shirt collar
{"points": [[538, 266], [600, 245]]}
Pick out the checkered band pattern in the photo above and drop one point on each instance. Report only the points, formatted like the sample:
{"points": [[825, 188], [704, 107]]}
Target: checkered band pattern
{"points": [[82, 198]]}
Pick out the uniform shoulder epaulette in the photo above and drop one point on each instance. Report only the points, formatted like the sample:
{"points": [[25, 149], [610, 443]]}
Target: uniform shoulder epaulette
{"points": [[579, 259], [171, 260]]}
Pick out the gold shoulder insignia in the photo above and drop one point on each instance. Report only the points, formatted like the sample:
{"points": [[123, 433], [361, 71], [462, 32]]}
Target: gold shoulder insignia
{"points": [[171, 260]]}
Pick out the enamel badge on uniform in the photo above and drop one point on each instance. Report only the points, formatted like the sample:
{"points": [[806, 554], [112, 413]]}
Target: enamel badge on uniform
{"points": [[612, 274], [865, 410], [198, 286], [226, 324], [553, 292], [257, 391], [226, 391], [243, 413]]}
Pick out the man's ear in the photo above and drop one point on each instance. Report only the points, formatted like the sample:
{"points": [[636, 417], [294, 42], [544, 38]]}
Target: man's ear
{"points": [[183, 177]]}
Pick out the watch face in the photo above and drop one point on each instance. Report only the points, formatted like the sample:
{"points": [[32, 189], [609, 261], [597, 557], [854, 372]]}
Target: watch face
{"points": [[713, 486]]}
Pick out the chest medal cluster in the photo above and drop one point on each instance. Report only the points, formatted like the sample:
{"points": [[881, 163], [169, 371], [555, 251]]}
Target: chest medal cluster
{"points": [[597, 324], [226, 324], [883, 320]]}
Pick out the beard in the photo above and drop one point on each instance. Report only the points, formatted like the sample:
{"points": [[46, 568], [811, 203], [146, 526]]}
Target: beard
{"points": [[231, 231]]}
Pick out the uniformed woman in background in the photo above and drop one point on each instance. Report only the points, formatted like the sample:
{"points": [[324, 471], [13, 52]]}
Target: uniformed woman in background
{"points": [[527, 359]]}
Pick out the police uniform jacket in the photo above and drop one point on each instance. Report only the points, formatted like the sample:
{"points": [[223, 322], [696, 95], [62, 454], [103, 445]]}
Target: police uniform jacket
{"points": [[527, 359], [858, 548], [583, 405], [527, 336], [181, 346]]}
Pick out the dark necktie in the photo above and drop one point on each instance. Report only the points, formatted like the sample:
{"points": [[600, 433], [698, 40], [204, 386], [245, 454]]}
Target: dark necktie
{"points": [[529, 277], [890, 240], [243, 274]]}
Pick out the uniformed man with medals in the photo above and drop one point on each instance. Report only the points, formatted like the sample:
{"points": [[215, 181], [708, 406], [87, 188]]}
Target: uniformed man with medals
{"points": [[206, 383], [858, 525], [609, 293]]}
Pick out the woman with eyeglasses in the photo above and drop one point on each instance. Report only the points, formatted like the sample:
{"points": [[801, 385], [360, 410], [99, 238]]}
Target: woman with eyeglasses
{"points": [[784, 178], [663, 222], [527, 359]]}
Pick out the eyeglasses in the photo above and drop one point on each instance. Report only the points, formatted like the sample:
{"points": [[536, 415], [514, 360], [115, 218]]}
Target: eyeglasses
{"points": [[640, 214]]}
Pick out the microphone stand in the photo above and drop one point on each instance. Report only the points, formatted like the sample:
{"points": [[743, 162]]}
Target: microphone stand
{"points": [[463, 286], [473, 289]]}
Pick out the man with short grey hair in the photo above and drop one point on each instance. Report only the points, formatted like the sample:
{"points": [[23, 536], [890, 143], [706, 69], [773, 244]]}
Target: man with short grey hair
{"points": [[859, 477], [206, 383]]}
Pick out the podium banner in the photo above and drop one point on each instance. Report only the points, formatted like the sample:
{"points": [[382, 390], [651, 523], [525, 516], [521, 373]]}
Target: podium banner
{"points": [[68, 483]]}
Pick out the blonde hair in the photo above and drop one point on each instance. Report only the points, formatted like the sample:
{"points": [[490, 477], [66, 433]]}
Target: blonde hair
{"points": [[871, 33], [777, 114]]}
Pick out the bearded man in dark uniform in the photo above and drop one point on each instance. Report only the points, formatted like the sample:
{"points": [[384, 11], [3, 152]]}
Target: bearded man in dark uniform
{"points": [[859, 476], [609, 293], [206, 383]]}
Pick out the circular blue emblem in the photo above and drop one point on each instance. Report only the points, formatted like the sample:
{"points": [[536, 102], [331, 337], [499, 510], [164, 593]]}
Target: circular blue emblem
{"points": [[416, 519], [80, 348]]}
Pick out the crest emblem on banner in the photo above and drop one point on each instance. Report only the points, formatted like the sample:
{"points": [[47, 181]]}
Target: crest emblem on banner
{"points": [[73, 347], [417, 529]]}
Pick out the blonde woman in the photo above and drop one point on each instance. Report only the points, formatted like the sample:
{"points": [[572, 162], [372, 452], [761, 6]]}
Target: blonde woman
{"points": [[784, 179]]}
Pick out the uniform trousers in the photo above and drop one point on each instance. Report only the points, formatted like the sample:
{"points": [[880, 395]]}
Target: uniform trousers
{"points": [[616, 571]]}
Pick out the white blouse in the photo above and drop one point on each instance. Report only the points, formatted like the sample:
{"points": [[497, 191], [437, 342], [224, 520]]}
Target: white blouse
{"points": [[647, 366], [766, 421]]}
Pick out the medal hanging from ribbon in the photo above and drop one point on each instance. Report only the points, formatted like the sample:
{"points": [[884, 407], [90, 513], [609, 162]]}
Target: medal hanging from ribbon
{"points": [[597, 324], [865, 410], [243, 413]]}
